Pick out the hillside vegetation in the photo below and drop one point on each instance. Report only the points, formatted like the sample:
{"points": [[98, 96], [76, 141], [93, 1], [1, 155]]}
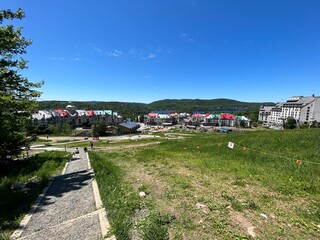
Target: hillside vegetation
{"points": [[179, 105], [20, 184], [266, 187]]}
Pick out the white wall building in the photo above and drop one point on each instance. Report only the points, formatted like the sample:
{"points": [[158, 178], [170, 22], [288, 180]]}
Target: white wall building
{"points": [[302, 109], [264, 113], [74, 117]]}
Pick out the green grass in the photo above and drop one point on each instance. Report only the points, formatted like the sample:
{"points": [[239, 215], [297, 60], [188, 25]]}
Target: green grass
{"points": [[66, 141], [128, 214], [15, 203], [117, 196], [38, 140], [233, 184], [270, 157]]}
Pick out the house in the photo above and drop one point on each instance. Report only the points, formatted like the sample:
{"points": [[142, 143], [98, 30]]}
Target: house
{"points": [[61, 112], [212, 120], [198, 116], [152, 118], [240, 119], [128, 127], [71, 109], [80, 113], [90, 113], [112, 130], [43, 117], [227, 119], [166, 118]]}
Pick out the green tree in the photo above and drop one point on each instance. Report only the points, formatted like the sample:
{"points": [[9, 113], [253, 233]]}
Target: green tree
{"points": [[17, 93], [52, 128], [314, 124], [141, 118], [66, 128], [290, 123], [242, 124], [100, 128]]}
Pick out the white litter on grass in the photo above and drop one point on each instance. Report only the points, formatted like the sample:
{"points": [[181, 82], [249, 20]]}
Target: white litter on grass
{"points": [[231, 145], [200, 205], [251, 232], [142, 194], [264, 216]]}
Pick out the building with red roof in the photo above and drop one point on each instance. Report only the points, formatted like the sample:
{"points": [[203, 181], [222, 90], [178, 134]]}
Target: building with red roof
{"points": [[61, 112], [153, 115], [197, 115], [196, 119], [90, 113], [227, 119], [76, 118], [227, 116]]}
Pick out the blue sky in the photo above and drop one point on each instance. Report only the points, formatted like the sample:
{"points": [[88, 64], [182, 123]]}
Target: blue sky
{"points": [[147, 50]]}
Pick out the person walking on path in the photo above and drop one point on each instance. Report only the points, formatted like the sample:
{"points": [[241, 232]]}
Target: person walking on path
{"points": [[76, 151]]}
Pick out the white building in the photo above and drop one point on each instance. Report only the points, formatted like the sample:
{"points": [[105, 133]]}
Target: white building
{"points": [[302, 109], [74, 117], [264, 113]]}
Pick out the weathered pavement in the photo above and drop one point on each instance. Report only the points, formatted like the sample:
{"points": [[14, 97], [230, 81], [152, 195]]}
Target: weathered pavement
{"points": [[69, 209]]}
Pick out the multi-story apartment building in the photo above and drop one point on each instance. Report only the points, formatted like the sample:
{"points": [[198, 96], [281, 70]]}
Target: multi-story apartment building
{"points": [[303, 109], [264, 113]]}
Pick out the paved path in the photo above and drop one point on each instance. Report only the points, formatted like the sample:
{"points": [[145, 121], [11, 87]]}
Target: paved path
{"points": [[70, 208]]}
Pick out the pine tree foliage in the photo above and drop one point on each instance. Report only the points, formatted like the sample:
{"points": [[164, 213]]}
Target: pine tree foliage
{"points": [[17, 93]]}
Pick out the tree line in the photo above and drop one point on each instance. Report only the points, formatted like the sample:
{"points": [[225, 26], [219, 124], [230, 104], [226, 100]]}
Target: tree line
{"points": [[132, 110]]}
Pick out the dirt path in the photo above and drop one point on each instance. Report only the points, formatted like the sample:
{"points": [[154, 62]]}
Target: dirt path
{"points": [[126, 146]]}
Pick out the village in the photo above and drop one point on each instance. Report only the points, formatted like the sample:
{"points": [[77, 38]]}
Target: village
{"points": [[116, 124], [305, 110]]}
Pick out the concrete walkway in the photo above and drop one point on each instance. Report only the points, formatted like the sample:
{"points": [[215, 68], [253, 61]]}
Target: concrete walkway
{"points": [[70, 208]]}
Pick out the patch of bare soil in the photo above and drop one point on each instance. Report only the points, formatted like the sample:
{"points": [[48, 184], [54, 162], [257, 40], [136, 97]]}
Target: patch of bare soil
{"points": [[243, 224], [111, 148], [140, 177]]}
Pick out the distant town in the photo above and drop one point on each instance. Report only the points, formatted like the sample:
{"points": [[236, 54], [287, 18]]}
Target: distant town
{"points": [[304, 110]]}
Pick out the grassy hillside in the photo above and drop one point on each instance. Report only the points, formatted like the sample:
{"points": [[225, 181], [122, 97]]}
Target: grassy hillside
{"points": [[267, 186], [180, 105]]}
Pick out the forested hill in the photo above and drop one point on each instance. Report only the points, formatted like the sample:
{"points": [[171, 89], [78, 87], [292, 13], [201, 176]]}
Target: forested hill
{"points": [[180, 105], [190, 105]]}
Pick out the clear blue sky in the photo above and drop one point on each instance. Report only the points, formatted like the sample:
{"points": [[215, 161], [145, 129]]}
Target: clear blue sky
{"points": [[147, 50]]}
